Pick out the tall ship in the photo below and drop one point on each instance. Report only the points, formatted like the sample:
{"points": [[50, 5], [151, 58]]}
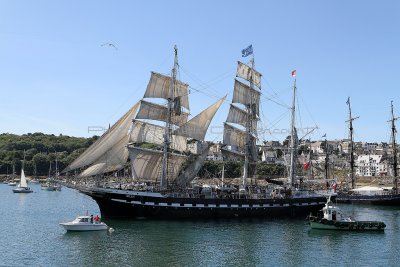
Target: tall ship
{"points": [[162, 169], [372, 195]]}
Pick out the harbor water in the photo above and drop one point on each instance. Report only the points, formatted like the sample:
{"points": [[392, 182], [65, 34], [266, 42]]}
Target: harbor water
{"points": [[31, 236]]}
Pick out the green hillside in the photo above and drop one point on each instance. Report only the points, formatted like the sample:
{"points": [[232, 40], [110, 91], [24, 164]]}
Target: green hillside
{"points": [[40, 149]]}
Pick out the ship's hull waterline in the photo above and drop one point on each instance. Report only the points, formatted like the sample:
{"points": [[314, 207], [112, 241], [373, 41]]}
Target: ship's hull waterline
{"points": [[136, 204], [381, 200]]}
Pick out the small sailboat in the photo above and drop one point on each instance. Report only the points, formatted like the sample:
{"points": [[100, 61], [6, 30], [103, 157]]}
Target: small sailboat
{"points": [[22, 186], [334, 219]]}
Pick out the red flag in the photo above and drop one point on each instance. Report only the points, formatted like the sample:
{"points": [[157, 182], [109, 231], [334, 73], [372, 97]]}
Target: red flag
{"points": [[294, 73], [334, 185], [307, 165]]}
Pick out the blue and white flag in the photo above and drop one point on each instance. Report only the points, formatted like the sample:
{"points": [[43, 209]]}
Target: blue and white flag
{"points": [[247, 51], [324, 135]]}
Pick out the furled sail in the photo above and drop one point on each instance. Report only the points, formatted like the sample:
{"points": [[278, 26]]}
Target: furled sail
{"points": [[114, 135], [143, 132], [197, 127], [160, 87], [249, 74], [245, 95], [152, 111], [146, 164]]}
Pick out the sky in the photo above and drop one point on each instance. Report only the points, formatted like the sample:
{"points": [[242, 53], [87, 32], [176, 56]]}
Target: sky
{"points": [[57, 78]]}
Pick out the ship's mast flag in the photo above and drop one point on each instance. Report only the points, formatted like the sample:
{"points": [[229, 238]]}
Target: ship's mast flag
{"points": [[294, 73], [247, 51]]}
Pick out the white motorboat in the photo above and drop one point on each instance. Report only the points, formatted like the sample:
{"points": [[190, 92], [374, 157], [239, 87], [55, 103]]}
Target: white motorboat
{"points": [[22, 186], [11, 183], [84, 223]]}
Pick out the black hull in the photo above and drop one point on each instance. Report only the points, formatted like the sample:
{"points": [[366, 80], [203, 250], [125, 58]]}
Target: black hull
{"points": [[118, 205], [383, 200]]}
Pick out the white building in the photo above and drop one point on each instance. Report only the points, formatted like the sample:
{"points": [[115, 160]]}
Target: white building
{"points": [[371, 165]]}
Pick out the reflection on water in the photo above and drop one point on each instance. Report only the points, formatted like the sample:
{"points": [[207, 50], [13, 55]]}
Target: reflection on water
{"points": [[32, 221]]}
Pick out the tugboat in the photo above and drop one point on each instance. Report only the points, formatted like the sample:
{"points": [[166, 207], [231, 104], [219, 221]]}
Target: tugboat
{"points": [[334, 219]]}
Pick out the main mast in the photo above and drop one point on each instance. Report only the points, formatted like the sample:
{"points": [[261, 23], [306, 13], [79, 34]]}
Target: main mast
{"points": [[249, 126], [353, 179], [394, 148], [293, 143], [168, 124]]}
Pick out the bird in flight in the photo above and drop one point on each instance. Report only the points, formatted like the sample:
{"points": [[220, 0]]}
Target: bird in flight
{"points": [[110, 45]]}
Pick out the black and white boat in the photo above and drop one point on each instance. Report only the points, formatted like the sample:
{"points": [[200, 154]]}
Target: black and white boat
{"points": [[159, 158]]}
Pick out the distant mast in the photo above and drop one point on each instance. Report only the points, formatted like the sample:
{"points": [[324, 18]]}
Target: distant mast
{"points": [[353, 181], [326, 160], [293, 143], [394, 148]]}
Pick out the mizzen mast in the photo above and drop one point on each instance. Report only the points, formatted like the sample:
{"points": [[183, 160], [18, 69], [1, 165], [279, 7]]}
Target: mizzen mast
{"points": [[394, 131], [293, 137]]}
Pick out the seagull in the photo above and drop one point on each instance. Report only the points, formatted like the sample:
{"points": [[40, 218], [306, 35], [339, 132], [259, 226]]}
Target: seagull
{"points": [[110, 45]]}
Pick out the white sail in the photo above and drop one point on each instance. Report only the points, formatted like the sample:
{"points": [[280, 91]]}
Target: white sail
{"points": [[152, 111], [160, 87], [193, 168], [112, 160], [237, 115], [247, 73], [242, 94], [197, 127], [146, 163], [234, 136], [143, 132], [119, 130], [23, 179]]}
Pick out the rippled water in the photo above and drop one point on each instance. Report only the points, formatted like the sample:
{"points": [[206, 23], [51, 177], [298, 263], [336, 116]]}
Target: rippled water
{"points": [[31, 236]]}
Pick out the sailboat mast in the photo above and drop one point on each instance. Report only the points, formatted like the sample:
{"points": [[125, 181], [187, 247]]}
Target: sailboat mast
{"points": [[293, 144], [353, 181], [394, 148], [168, 124]]}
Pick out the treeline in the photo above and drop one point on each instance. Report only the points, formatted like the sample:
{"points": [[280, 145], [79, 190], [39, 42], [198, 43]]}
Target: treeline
{"points": [[40, 150], [234, 169]]}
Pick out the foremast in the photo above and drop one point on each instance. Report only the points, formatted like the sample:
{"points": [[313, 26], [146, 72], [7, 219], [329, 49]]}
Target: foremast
{"points": [[350, 121], [394, 131], [171, 104]]}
